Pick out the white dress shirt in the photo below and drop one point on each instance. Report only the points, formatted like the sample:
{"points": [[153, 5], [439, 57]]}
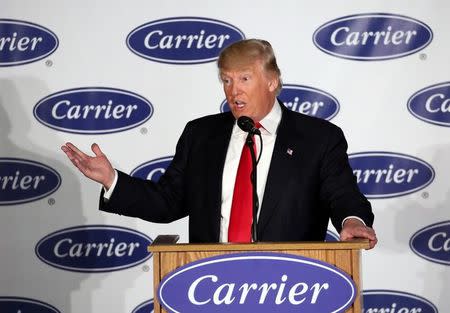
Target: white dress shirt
{"points": [[269, 125]]}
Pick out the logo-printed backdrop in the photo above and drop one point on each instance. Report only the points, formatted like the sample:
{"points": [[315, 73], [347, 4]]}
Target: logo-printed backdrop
{"points": [[128, 76]]}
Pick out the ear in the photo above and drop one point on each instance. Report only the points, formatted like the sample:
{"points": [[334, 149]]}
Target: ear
{"points": [[273, 83]]}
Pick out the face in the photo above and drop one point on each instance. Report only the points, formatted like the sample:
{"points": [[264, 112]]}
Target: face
{"points": [[250, 91]]}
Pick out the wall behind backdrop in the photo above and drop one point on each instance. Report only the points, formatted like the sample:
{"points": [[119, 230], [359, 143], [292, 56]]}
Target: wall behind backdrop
{"points": [[128, 75]]}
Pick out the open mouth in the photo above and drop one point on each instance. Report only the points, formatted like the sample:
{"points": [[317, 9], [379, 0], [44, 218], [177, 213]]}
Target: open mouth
{"points": [[239, 104]]}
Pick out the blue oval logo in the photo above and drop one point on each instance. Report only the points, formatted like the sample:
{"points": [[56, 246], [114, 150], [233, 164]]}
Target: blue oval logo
{"points": [[432, 104], [433, 243], [144, 307], [387, 174], [310, 101], [332, 236], [257, 282], [182, 40], [395, 301], [152, 170], [24, 42], [373, 36], [93, 110], [306, 100], [94, 248], [17, 304], [24, 181]]}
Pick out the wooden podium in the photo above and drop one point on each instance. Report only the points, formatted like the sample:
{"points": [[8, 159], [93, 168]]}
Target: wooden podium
{"points": [[168, 256]]}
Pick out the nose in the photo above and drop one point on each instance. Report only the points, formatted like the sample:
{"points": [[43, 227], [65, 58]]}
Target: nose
{"points": [[235, 89]]}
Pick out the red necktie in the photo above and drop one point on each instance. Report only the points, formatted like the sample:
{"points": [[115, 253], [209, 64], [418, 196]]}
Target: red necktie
{"points": [[241, 215]]}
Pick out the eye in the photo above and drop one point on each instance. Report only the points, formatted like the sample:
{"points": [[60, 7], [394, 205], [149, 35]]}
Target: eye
{"points": [[245, 78], [225, 80]]}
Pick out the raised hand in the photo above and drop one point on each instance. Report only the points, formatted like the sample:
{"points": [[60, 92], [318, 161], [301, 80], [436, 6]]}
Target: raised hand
{"points": [[97, 168]]}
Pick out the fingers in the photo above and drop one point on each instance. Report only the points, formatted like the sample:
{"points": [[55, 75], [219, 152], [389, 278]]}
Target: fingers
{"points": [[349, 233], [96, 149], [372, 243], [75, 155], [358, 232], [70, 154], [368, 233], [364, 232], [75, 150]]}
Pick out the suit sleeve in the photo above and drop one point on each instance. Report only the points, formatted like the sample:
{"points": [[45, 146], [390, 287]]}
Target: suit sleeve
{"points": [[160, 202], [339, 189]]}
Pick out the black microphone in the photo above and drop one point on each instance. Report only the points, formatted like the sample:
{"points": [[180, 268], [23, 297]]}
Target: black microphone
{"points": [[246, 124]]}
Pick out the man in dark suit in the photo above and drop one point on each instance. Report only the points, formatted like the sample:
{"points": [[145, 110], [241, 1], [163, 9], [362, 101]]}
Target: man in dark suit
{"points": [[304, 177]]}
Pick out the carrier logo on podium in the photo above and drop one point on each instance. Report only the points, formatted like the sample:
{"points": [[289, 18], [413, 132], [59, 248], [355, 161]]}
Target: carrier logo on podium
{"points": [[304, 99], [24, 181], [387, 174], [182, 40], [378, 301], [433, 243], [257, 282], [94, 248], [24, 42], [93, 110], [373, 36], [432, 104], [152, 170]]}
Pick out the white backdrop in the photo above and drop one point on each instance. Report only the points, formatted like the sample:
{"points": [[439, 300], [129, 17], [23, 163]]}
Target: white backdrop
{"points": [[92, 52]]}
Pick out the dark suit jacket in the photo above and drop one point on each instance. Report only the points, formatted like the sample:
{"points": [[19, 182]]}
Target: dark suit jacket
{"points": [[303, 190]]}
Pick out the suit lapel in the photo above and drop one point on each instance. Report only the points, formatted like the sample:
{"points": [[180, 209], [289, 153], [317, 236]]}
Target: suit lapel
{"points": [[217, 146], [284, 158]]}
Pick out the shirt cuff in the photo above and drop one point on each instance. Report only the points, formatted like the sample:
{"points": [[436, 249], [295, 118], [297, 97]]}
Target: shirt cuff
{"points": [[355, 217], [108, 192]]}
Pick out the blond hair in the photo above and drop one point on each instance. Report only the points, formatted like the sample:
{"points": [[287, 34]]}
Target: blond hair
{"points": [[247, 51]]}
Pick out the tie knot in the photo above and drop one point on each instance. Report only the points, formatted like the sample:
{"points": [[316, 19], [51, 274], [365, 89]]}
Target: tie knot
{"points": [[258, 125]]}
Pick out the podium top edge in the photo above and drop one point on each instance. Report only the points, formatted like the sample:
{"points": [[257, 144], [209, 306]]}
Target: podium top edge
{"points": [[261, 246]]}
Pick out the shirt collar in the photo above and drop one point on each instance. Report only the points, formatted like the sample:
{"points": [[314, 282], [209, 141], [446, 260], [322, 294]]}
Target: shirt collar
{"points": [[270, 121]]}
